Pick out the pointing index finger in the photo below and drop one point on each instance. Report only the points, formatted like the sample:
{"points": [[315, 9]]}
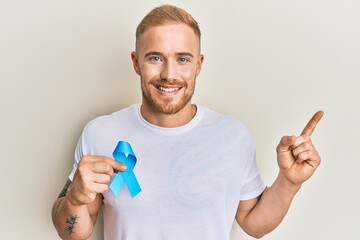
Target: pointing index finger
{"points": [[310, 126]]}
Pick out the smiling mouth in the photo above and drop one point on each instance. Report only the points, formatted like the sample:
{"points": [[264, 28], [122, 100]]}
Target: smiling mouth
{"points": [[168, 90]]}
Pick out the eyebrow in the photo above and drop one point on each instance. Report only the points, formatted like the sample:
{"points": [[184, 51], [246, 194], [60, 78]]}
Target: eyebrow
{"points": [[152, 53], [185, 54], [160, 54]]}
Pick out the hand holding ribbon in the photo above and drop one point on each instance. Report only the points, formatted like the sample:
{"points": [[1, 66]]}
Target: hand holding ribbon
{"points": [[123, 153]]}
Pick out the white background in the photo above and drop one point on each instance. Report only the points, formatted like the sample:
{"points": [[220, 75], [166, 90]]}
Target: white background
{"points": [[271, 64]]}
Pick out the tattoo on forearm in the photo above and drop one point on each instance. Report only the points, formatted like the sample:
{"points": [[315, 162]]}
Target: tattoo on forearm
{"points": [[71, 222], [57, 204], [64, 191]]}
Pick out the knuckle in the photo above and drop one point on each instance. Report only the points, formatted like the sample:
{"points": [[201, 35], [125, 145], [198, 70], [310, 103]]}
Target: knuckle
{"points": [[85, 158], [108, 168], [283, 139], [83, 173], [90, 196], [277, 148], [107, 178], [308, 145], [105, 187], [104, 159], [306, 138], [81, 167], [87, 186]]}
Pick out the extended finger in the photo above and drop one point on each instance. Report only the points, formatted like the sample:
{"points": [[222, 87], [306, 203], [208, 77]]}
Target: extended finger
{"points": [[117, 166], [310, 126], [94, 158], [101, 167]]}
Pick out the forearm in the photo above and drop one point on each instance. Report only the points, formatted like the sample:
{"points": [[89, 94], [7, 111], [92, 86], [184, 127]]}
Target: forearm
{"points": [[271, 209], [70, 221]]}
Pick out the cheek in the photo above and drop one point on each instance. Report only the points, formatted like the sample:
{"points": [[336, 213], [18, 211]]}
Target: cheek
{"points": [[148, 72], [188, 73]]}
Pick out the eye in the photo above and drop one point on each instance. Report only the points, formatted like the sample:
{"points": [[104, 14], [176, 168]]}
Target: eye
{"points": [[182, 59], [155, 58]]}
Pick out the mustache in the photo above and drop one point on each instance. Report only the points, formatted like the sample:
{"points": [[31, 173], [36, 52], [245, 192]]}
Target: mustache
{"points": [[174, 82]]}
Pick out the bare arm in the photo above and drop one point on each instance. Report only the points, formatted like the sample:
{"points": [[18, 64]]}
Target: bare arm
{"points": [[74, 221], [75, 212], [297, 160], [259, 217]]}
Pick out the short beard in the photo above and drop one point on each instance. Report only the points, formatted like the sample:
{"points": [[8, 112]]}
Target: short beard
{"points": [[166, 107]]}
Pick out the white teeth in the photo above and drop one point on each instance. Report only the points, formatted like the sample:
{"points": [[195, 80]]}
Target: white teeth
{"points": [[168, 89]]}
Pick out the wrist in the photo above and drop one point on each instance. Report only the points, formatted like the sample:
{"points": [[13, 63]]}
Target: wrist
{"points": [[286, 185], [70, 201]]}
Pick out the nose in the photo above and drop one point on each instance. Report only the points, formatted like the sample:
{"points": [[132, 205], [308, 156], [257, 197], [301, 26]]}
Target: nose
{"points": [[168, 71]]}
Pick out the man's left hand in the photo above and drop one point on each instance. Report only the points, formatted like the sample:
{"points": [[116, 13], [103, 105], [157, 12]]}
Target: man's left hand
{"points": [[297, 156]]}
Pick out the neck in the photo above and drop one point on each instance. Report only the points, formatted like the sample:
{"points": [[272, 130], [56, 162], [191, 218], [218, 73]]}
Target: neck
{"points": [[169, 120]]}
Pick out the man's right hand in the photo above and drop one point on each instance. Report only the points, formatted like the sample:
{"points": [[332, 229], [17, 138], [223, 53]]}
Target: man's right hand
{"points": [[92, 177]]}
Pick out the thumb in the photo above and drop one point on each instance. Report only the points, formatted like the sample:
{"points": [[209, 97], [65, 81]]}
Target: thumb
{"points": [[285, 144]]}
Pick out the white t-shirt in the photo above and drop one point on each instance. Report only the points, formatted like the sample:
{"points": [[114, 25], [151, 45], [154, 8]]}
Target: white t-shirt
{"points": [[192, 177]]}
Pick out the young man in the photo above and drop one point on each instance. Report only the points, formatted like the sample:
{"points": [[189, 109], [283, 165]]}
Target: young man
{"points": [[196, 168]]}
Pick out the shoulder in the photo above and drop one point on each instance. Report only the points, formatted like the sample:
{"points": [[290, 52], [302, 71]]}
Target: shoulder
{"points": [[111, 120], [223, 122]]}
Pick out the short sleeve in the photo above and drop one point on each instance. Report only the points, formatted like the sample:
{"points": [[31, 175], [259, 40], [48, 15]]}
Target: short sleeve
{"points": [[253, 184], [79, 152]]}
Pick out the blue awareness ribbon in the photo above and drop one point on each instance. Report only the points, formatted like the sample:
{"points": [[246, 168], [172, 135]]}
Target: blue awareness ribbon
{"points": [[123, 153]]}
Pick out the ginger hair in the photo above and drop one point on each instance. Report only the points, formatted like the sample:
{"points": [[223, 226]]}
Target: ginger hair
{"points": [[167, 14]]}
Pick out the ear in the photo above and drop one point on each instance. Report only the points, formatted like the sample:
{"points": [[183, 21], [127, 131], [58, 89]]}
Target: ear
{"points": [[135, 61], [199, 64]]}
